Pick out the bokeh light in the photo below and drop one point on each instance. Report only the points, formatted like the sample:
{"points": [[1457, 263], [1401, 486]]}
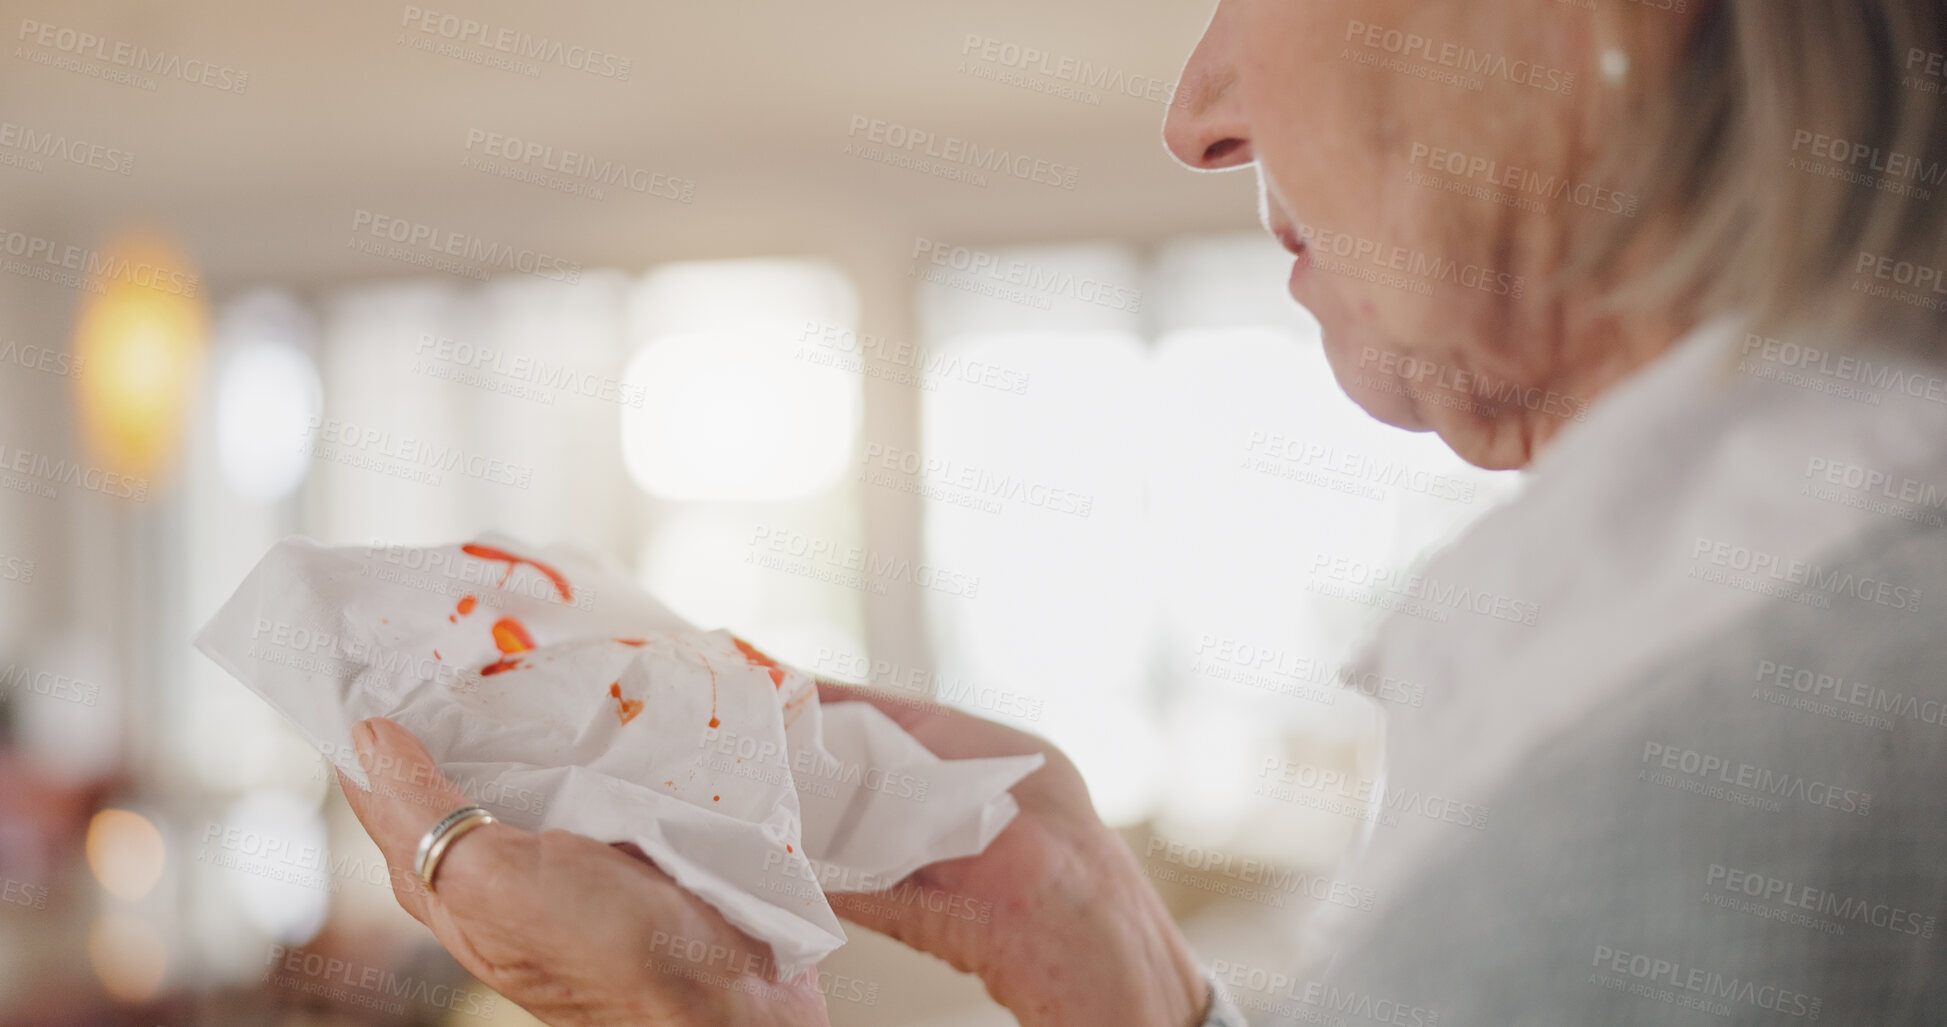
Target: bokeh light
{"points": [[126, 853], [140, 334]]}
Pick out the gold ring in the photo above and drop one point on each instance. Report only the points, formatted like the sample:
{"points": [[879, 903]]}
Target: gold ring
{"points": [[441, 836]]}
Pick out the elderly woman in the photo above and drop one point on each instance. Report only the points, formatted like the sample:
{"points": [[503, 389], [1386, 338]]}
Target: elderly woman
{"points": [[1681, 755]]}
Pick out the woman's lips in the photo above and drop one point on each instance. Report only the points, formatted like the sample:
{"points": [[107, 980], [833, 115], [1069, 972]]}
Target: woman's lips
{"points": [[1299, 266]]}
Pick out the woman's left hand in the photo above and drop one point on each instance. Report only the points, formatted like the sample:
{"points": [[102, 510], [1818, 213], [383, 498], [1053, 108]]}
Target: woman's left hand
{"points": [[571, 929]]}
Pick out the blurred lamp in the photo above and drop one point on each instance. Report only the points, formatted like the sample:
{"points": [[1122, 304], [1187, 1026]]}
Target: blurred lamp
{"points": [[267, 393], [284, 886], [140, 335], [126, 853], [129, 956], [735, 404], [736, 418]]}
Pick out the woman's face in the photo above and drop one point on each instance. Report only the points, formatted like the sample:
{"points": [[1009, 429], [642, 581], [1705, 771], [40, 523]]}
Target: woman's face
{"points": [[1429, 165]]}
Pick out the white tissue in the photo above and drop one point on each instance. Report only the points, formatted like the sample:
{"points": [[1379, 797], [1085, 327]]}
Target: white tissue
{"points": [[752, 815]]}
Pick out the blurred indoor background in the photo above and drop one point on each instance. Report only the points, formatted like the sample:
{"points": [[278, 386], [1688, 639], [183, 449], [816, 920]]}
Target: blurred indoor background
{"points": [[714, 290]]}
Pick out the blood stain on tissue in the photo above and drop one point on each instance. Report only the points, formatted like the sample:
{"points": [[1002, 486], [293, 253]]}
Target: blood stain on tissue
{"points": [[511, 559], [511, 638], [625, 708], [758, 659], [714, 722]]}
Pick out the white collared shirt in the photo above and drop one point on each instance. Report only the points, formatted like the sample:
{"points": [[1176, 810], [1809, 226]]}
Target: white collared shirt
{"points": [[1708, 782]]}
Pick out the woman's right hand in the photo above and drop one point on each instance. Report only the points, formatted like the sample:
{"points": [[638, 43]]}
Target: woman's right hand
{"points": [[573, 930], [1074, 933]]}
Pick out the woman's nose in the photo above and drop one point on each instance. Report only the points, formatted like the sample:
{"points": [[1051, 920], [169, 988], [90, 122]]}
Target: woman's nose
{"points": [[1206, 127]]}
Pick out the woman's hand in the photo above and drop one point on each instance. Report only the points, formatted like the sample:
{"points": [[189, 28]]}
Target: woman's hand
{"points": [[1076, 935], [574, 931]]}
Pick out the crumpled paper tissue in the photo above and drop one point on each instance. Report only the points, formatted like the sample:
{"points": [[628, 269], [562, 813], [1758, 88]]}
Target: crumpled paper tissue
{"points": [[557, 694]]}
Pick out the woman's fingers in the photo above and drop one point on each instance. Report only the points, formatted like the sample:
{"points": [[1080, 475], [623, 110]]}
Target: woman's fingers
{"points": [[408, 796]]}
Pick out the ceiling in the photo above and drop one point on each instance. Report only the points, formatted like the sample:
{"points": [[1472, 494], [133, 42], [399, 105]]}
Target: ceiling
{"points": [[753, 100]]}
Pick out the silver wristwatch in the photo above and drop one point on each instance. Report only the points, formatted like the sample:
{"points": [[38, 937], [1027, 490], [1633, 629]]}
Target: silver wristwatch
{"points": [[1223, 1012]]}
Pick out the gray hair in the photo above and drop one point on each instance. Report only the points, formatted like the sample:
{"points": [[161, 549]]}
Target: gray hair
{"points": [[1800, 155]]}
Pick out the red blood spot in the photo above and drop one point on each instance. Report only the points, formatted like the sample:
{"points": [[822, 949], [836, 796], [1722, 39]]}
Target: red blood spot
{"points": [[716, 798], [466, 604], [758, 659], [788, 848], [714, 722], [632, 641], [510, 559], [450, 619], [503, 664], [436, 654], [625, 708], [511, 637]]}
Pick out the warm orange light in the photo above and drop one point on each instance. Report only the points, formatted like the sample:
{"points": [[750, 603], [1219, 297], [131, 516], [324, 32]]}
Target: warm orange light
{"points": [[126, 852], [128, 956], [140, 335]]}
